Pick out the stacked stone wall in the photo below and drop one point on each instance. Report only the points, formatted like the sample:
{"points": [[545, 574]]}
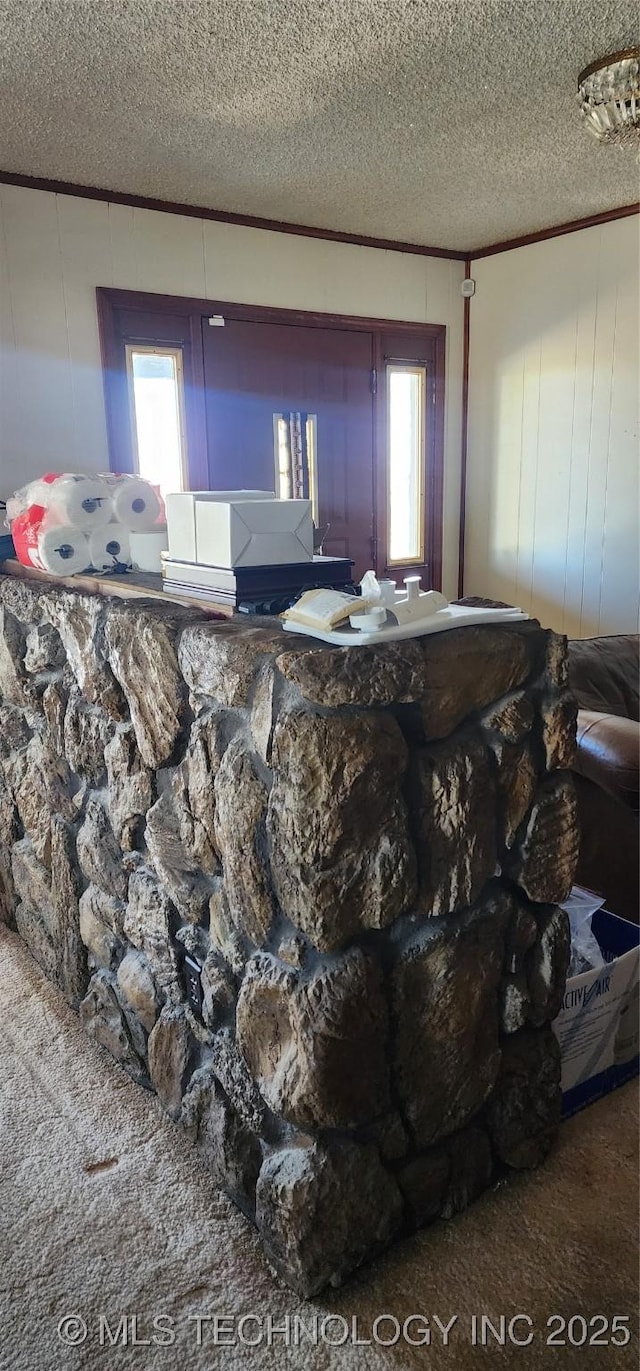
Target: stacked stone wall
{"points": [[308, 895]]}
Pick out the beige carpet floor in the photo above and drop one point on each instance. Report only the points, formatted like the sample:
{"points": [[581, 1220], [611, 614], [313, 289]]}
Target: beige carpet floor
{"points": [[106, 1210]]}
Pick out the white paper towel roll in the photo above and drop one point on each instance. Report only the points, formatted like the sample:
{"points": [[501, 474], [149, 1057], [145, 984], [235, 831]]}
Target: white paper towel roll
{"points": [[146, 549], [63, 550], [82, 501], [135, 502], [109, 545]]}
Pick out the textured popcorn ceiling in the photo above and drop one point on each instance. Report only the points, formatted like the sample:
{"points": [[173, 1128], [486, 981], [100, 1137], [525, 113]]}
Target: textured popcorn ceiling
{"points": [[447, 122]]}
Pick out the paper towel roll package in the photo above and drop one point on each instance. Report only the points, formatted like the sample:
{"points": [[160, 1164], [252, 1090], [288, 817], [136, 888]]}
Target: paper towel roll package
{"points": [[135, 503], [82, 501], [65, 523], [25, 531], [63, 550], [108, 546], [59, 549]]}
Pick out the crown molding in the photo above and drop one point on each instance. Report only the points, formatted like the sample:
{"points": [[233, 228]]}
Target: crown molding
{"points": [[572, 226], [220, 216]]}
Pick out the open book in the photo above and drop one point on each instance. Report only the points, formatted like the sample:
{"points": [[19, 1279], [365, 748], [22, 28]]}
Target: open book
{"points": [[324, 609]]}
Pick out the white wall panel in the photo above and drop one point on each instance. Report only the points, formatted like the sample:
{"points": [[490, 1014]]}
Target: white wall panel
{"points": [[9, 440], [59, 248], [169, 253], [552, 484], [85, 258], [620, 533], [122, 263], [40, 421]]}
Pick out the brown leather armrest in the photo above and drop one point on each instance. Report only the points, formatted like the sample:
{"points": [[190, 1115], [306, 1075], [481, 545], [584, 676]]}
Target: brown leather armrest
{"points": [[609, 753]]}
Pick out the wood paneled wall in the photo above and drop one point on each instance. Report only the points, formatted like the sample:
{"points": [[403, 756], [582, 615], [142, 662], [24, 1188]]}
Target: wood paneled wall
{"points": [[54, 251], [553, 456]]}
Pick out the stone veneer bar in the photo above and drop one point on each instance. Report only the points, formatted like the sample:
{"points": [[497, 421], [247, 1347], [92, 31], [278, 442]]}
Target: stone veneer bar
{"points": [[359, 853]]}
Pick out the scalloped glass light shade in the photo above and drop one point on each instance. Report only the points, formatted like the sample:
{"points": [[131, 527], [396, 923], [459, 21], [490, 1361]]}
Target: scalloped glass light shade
{"points": [[609, 98]]}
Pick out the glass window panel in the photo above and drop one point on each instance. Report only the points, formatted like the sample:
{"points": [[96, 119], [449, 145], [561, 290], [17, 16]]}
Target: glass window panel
{"points": [[283, 458], [157, 399], [312, 464], [295, 442], [406, 405]]}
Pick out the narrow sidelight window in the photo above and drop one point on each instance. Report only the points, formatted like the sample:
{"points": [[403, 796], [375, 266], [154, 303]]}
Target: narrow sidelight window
{"points": [[295, 442], [406, 391], [156, 394]]}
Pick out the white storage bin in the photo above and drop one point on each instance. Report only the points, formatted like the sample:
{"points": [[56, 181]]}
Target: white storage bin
{"points": [[181, 516], [242, 533]]}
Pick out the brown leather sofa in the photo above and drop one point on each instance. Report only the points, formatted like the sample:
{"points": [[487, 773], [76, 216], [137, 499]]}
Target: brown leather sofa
{"points": [[604, 676]]}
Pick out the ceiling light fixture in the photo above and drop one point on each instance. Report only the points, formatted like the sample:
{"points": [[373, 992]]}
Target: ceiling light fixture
{"points": [[609, 98]]}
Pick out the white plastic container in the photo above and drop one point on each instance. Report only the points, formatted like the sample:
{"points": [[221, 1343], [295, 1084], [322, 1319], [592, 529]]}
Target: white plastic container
{"points": [[240, 533], [181, 517]]}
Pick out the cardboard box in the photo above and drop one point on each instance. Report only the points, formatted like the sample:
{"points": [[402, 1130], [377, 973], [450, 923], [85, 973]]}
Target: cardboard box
{"points": [[241, 533], [181, 516], [598, 1026]]}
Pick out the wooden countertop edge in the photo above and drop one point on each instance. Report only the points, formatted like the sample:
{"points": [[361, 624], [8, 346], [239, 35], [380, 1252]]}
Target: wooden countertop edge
{"points": [[124, 588]]}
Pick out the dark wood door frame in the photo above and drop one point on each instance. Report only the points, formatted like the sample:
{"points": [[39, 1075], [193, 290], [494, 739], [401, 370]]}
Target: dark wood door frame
{"points": [[184, 316], [433, 354], [162, 319]]}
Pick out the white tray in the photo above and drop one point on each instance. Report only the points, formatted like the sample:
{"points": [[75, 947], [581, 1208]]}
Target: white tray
{"points": [[455, 616]]}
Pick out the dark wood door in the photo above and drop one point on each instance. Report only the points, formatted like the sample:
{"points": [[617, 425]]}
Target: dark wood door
{"points": [[255, 371]]}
